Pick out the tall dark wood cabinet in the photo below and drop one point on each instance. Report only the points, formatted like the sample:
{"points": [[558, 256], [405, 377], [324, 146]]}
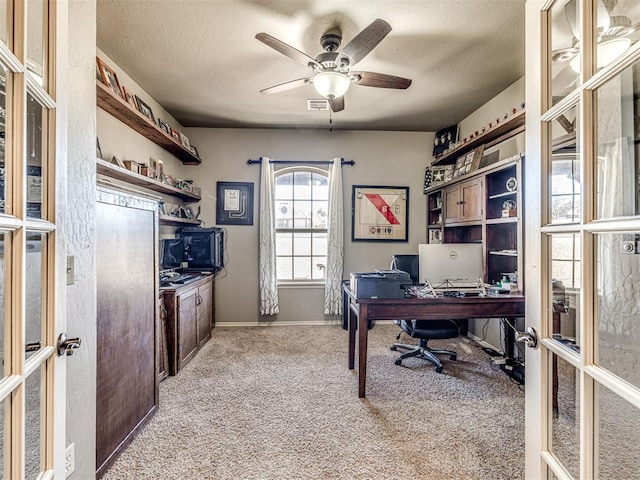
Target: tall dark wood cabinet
{"points": [[127, 327], [190, 318]]}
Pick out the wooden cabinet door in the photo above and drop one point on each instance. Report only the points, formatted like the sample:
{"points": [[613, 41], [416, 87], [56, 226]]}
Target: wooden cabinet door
{"points": [[451, 204], [187, 326], [204, 312], [471, 200]]}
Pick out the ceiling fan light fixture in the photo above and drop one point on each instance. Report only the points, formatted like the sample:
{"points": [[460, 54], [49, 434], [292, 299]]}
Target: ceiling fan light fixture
{"points": [[331, 84], [607, 52]]}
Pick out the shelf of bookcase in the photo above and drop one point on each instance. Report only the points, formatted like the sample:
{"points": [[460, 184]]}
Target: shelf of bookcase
{"points": [[120, 109], [174, 221], [498, 133], [110, 170]]}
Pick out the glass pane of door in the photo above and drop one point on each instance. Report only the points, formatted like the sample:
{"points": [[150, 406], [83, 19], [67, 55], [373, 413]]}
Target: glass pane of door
{"points": [[4, 93], [565, 184], [36, 150], [617, 437], [3, 247], [565, 49], [36, 36], [34, 403], [564, 432], [34, 293], [565, 285], [616, 304]]}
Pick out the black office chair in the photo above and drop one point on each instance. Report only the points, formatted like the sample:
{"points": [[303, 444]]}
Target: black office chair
{"points": [[423, 330]]}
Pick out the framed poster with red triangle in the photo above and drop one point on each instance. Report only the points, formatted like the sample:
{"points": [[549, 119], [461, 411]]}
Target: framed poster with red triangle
{"points": [[379, 213]]}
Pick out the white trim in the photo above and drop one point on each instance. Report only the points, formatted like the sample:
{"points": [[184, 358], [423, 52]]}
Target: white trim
{"points": [[302, 285]]}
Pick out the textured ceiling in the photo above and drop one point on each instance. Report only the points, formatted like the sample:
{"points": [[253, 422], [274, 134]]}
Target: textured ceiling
{"points": [[200, 60]]}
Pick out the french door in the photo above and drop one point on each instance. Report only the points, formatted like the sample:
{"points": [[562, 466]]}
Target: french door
{"points": [[32, 374], [583, 233]]}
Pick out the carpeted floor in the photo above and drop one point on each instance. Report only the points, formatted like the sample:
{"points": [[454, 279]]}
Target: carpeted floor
{"points": [[269, 403]]}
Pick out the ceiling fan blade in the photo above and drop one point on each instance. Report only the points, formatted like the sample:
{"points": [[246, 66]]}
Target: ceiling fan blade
{"points": [[286, 49], [380, 80], [337, 104], [365, 41], [301, 82]]}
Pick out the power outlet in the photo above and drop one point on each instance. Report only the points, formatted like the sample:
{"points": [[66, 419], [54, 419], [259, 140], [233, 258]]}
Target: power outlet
{"points": [[69, 460]]}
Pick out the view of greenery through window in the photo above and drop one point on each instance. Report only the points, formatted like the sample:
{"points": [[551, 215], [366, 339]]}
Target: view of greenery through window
{"points": [[301, 216]]}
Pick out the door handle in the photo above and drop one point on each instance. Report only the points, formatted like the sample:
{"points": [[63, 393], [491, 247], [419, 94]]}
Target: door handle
{"points": [[67, 345], [529, 337]]}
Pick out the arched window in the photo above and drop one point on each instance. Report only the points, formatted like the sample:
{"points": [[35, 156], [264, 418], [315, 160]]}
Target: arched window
{"points": [[301, 217]]}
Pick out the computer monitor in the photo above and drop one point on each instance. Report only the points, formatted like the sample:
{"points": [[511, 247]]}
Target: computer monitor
{"points": [[407, 263], [204, 248], [171, 253], [450, 264]]}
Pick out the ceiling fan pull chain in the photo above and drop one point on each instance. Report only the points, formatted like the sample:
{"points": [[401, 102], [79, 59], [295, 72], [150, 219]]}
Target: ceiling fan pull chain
{"points": [[330, 122]]}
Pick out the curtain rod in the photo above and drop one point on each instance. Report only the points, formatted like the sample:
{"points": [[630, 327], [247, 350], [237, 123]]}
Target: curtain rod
{"points": [[303, 162]]}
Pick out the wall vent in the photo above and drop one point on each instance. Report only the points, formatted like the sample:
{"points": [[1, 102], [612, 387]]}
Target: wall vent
{"points": [[317, 104]]}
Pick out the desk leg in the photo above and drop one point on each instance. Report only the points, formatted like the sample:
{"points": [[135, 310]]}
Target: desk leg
{"points": [[363, 333], [351, 322]]}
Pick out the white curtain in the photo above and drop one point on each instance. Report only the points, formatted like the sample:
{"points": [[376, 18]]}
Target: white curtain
{"points": [[335, 242], [267, 275]]}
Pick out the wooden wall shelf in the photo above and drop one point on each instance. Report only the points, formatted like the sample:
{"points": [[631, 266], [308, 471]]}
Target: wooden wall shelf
{"points": [[177, 221], [110, 170], [499, 133], [124, 112]]}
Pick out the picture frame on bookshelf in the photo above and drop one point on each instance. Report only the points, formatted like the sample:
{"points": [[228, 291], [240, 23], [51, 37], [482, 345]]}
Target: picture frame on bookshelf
{"points": [[440, 174], [129, 98], [185, 141], [109, 77], [164, 126], [144, 109], [98, 149], [444, 139], [175, 135]]}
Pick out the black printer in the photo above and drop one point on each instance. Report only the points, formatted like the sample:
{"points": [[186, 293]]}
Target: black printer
{"points": [[380, 284]]}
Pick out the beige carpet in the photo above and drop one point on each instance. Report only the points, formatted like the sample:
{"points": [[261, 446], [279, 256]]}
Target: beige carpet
{"points": [[279, 403]]}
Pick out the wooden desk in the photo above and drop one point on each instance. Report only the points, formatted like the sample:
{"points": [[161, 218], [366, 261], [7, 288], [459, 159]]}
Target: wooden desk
{"points": [[365, 309]]}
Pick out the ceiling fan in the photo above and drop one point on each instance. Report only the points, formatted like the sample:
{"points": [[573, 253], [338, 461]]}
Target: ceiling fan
{"points": [[331, 69], [612, 36]]}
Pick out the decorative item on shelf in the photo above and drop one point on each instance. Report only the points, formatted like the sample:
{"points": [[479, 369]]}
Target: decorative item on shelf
{"points": [[144, 109], [162, 208], [147, 171], [175, 135], [185, 141], [129, 98], [132, 165], [427, 179], [444, 138], [164, 126], [197, 191], [109, 77], [194, 150], [512, 184], [169, 180], [98, 149], [439, 174], [157, 166], [116, 161], [509, 209]]}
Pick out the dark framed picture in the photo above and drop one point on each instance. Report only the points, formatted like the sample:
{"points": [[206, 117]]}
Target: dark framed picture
{"points": [[109, 78], [379, 213], [441, 174], [144, 109], [234, 203], [185, 141], [164, 126], [444, 139]]}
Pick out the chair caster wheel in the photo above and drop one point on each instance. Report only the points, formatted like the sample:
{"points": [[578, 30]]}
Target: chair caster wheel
{"points": [[453, 357], [398, 362], [439, 369], [393, 348]]}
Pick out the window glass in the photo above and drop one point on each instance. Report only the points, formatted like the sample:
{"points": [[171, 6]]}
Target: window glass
{"points": [[302, 207], [33, 424], [3, 21], [35, 38], [4, 78]]}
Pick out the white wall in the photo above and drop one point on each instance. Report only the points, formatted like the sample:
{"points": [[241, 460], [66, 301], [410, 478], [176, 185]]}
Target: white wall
{"points": [[382, 158], [80, 228]]}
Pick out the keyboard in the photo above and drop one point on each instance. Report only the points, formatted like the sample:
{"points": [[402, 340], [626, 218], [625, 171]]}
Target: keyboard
{"points": [[180, 279]]}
